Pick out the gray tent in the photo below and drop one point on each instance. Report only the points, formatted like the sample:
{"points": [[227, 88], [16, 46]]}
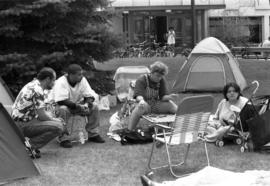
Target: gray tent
{"points": [[208, 68], [6, 97], [15, 161]]}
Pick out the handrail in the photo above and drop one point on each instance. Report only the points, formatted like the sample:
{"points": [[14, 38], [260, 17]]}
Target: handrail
{"points": [[246, 51]]}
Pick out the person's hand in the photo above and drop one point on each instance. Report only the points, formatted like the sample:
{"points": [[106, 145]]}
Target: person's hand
{"points": [[92, 99], [132, 100], [89, 104], [59, 120], [83, 109], [142, 102], [79, 107]]}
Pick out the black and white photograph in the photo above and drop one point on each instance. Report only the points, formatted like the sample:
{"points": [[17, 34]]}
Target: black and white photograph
{"points": [[134, 92]]}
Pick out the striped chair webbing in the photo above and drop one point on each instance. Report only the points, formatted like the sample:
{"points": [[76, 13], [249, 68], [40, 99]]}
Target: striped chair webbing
{"points": [[186, 127]]}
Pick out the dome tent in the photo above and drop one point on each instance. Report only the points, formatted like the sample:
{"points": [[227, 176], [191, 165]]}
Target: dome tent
{"points": [[6, 97], [208, 68], [15, 161]]}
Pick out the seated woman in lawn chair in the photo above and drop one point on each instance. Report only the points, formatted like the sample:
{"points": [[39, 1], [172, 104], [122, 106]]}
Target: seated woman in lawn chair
{"points": [[225, 117], [239, 119]]}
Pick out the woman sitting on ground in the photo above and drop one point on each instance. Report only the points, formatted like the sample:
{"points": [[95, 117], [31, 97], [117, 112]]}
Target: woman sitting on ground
{"points": [[224, 115], [152, 94]]}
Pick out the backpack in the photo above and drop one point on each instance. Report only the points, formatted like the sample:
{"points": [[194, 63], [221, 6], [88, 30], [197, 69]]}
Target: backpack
{"points": [[139, 136]]}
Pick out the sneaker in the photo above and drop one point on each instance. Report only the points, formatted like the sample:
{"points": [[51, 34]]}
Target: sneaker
{"points": [[96, 139], [66, 144], [146, 181], [35, 154]]}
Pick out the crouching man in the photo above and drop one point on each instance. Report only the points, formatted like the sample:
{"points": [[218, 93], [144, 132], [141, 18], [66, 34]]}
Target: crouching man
{"points": [[29, 111], [74, 96]]}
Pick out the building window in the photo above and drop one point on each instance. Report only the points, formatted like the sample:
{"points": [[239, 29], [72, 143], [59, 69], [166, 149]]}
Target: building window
{"points": [[138, 29], [236, 30], [141, 27]]}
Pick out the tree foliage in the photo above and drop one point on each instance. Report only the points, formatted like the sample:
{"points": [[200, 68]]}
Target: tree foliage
{"points": [[55, 33]]}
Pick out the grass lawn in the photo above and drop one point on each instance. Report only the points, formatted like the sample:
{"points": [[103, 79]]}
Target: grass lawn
{"points": [[112, 164]]}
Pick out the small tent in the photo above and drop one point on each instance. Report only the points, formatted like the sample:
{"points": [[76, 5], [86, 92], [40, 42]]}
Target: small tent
{"points": [[123, 77], [6, 97], [15, 162], [208, 68]]}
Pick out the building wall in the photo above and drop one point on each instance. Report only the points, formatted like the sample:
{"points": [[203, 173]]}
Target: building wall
{"points": [[128, 3], [247, 8], [138, 26], [135, 15]]}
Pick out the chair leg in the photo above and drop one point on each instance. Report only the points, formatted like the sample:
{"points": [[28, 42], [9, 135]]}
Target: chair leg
{"points": [[179, 164], [170, 163], [168, 157], [186, 154], [151, 154], [206, 152]]}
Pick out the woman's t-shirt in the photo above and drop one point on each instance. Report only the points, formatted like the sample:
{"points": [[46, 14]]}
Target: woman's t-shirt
{"points": [[225, 113]]}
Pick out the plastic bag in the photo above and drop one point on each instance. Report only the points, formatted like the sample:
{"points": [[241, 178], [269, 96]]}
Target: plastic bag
{"points": [[104, 103], [115, 122]]}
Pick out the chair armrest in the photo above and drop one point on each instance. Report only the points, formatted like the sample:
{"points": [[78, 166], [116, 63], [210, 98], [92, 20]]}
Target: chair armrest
{"points": [[163, 134], [163, 126]]}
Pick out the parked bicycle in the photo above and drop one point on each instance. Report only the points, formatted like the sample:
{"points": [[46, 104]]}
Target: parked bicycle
{"points": [[150, 49]]}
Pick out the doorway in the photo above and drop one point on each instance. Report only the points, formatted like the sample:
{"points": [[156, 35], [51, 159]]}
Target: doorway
{"points": [[161, 29]]}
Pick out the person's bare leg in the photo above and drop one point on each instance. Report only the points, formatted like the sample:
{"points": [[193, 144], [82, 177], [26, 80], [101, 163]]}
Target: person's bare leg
{"points": [[165, 107], [136, 114]]}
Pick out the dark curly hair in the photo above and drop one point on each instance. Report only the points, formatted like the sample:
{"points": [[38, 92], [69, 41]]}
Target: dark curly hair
{"points": [[233, 85], [46, 72], [159, 67]]}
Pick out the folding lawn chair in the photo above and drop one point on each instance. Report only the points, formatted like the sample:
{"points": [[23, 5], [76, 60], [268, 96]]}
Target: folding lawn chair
{"points": [[189, 126]]}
